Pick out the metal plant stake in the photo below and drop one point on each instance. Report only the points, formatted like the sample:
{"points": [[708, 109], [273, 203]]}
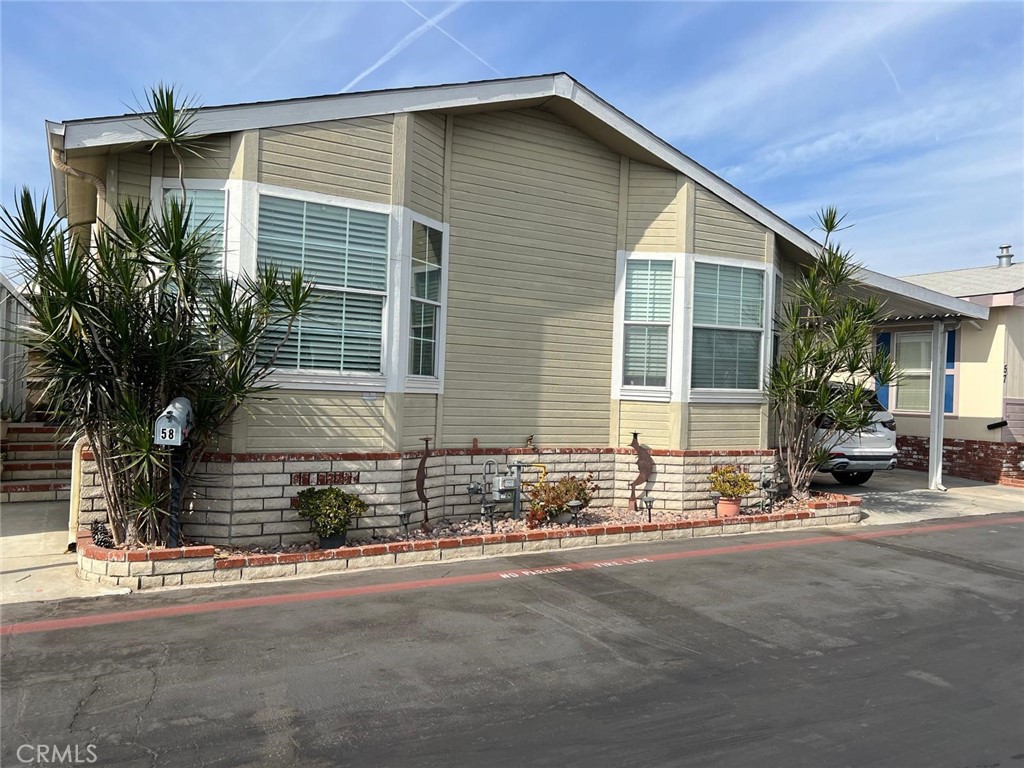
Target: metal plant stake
{"points": [[421, 479], [644, 466]]}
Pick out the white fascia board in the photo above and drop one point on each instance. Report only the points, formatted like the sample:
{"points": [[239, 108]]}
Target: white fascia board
{"points": [[628, 127], [55, 141], [210, 120]]}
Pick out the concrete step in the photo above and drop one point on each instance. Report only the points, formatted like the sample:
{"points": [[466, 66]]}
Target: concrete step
{"points": [[9, 474], [14, 452], [36, 433], [28, 490]]}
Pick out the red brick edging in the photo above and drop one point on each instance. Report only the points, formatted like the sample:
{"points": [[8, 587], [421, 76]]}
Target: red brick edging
{"points": [[142, 569]]}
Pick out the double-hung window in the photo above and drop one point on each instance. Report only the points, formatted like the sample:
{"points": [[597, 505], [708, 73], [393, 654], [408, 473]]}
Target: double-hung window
{"points": [[914, 357], [425, 300], [912, 352], [728, 324], [343, 252], [207, 217], [647, 322]]}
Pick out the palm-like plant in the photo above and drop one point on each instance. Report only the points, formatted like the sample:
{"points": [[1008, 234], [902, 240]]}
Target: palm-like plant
{"points": [[132, 320], [818, 389]]}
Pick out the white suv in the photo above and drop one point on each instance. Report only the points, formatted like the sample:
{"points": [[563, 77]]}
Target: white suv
{"points": [[853, 459]]}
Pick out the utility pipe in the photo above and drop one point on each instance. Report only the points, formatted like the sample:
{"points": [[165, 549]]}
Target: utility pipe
{"points": [[76, 492]]}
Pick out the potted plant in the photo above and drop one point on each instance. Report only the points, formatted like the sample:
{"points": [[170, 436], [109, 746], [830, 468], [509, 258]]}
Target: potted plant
{"points": [[731, 484], [549, 501], [331, 511]]}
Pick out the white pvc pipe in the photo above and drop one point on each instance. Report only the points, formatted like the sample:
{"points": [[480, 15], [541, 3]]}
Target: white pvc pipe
{"points": [[76, 492]]}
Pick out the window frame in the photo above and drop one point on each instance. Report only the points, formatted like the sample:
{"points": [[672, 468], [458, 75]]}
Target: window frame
{"points": [[634, 392], [766, 331], [160, 185], [951, 370], [414, 383]]}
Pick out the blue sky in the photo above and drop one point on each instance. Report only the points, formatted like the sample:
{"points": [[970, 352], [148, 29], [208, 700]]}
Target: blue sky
{"points": [[908, 115]]}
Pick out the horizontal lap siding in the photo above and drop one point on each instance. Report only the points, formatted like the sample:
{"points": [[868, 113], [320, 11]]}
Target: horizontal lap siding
{"points": [[721, 230], [315, 421], [214, 163], [651, 420], [134, 170], [724, 425], [532, 268], [349, 158], [418, 420], [652, 215], [427, 160]]}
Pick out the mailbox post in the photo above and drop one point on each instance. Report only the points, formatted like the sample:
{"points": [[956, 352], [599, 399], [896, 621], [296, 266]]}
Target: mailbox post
{"points": [[171, 429]]}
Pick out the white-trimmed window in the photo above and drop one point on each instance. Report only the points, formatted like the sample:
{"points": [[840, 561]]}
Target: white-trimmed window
{"points": [[728, 327], [914, 357], [425, 299], [647, 322], [208, 216], [344, 252]]}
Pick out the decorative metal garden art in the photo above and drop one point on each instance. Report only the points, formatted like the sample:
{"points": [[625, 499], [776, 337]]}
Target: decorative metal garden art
{"points": [[421, 479], [644, 465]]}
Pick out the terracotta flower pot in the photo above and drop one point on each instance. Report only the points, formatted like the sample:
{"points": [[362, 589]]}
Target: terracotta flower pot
{"points": [[728, 507]]}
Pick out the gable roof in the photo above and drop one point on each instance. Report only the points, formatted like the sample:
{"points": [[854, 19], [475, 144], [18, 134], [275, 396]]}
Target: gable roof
{"points": [[558, 91], [977, 281]]}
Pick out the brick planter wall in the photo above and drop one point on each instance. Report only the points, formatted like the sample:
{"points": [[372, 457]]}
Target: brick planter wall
{"points": [[247, 499], [146, 569], [982, 460]]}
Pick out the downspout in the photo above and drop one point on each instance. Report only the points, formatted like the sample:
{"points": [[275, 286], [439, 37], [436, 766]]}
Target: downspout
{"points": [[96, 181], [76, 492]]}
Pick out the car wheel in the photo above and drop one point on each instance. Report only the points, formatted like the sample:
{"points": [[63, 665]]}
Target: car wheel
{"points": [[853, 478]]}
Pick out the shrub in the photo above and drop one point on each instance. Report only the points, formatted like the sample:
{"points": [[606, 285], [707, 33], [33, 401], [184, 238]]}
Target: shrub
{"points": [[548, 500], [730, 482], [330, 510]]}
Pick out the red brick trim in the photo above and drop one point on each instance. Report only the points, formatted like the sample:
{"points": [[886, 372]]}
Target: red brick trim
{"points": [[983, 460], [238, 458]]}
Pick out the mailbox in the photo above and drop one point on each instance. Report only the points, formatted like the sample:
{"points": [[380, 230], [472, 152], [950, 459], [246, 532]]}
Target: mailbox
{"points": [[173, 425]]}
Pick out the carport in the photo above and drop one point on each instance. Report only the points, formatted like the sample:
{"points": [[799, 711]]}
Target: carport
{"points": [[907, 304]]}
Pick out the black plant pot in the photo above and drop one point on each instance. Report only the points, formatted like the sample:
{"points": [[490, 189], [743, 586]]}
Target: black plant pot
{"points": [[335, 541]]}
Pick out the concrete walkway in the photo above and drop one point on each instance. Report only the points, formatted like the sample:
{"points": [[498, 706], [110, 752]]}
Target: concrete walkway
{"points": [[33, 563], [902, 496], [33, 535]]}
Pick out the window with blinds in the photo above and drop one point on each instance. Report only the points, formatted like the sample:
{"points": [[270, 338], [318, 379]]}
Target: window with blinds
{"points": [[425, 300], [344, 253], [914, 357], [647, 319], [208, 217], [728, 322]]}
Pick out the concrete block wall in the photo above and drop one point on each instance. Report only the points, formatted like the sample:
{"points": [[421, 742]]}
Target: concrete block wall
{"points": [[249, 499]]}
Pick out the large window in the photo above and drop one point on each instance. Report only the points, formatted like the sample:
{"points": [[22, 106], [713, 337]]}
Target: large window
{"points": [[728, 322], [425, 301], [344, 252], [648, 318], [207, 217]]}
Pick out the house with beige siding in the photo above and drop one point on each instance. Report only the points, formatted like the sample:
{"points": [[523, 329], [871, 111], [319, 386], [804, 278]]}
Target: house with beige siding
{"points": [[983, 381], [512, 269]]}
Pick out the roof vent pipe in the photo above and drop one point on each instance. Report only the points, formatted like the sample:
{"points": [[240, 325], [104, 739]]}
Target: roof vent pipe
{"points": [[1005, 257]]}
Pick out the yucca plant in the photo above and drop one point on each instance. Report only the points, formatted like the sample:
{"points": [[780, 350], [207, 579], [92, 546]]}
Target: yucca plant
{"points": [[819, 389], [126, 323]]}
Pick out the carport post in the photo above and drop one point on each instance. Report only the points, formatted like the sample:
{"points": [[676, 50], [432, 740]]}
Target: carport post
{"points": [[937, 415]]}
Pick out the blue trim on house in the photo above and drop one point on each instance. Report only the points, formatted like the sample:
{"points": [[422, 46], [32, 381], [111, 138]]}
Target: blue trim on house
{"points": [[882, 391]]}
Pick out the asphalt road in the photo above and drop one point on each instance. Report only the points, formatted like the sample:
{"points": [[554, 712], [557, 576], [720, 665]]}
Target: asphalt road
{"points": [[898, 647]]}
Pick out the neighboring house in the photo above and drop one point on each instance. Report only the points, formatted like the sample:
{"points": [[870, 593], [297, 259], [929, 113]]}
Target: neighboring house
{"points": [[501, 265], [983, 383]]}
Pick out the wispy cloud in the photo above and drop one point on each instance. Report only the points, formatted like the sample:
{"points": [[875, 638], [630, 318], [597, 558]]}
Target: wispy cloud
{"points": [[404, 43], [784, 61]]}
